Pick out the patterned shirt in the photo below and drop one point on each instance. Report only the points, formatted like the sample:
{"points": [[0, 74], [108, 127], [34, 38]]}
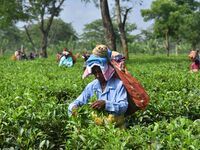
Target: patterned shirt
{"points": [[115, 96]]}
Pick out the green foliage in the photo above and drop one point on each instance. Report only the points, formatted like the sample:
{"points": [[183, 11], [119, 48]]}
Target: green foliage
{"points": [[94, 34], [11, 12], [35, 95], [190, 29], [152, 46], [161, 11], [175, 18], [59, 32], [10, 38]]}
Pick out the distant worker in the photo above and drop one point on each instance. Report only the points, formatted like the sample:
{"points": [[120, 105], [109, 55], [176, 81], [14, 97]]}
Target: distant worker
{"points": [[197, 55], [66, 58], [194, 54], [31, 56], [194, 67], [18, 55]]}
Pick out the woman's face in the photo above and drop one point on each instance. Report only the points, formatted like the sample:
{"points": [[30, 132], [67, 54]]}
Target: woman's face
{"points": [[96, 71]]}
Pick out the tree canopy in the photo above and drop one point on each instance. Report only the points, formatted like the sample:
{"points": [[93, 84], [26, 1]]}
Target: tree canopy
{"points": [[174, 18], [12, 11]]}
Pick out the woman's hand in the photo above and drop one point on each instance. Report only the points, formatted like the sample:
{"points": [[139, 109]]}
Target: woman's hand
{"points": [[99, 104]]}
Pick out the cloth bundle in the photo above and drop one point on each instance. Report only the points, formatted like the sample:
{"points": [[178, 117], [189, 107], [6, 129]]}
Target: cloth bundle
{"points": [[100, 51]]}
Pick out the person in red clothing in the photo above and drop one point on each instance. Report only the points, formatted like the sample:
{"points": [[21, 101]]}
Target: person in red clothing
{"points": [[194, 67]]}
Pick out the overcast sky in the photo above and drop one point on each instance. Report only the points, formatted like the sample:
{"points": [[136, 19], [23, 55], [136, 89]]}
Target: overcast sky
{"points": [[79, 13]]}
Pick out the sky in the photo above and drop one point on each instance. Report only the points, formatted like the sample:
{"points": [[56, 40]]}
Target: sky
{"points": [[78, 13]]}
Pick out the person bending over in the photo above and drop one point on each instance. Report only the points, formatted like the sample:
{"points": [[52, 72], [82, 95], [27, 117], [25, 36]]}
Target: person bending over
{"points": [[110, 92]]}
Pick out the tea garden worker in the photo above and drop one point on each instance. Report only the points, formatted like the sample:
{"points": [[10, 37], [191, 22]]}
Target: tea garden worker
{"points": [[197, 57], [194, 67], [110, 92], [65, 51], [66, 58]]}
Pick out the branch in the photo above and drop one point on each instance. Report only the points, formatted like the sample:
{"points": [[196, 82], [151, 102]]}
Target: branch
{"points": [[125, 16], [29, 37], [55, 11], [42, 19]]}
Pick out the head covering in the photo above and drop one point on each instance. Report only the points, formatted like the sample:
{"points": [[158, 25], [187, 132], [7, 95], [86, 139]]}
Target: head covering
{"points": [[65, 49], [107, 70], [65, 53], [100, 57], [100, 50]]}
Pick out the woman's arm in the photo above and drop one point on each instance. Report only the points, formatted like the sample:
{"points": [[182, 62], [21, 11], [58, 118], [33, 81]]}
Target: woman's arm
{"points": [[82, 99]]}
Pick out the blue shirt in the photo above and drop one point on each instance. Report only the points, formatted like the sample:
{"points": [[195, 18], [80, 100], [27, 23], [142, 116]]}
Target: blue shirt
{"points": [[68, 62], [115, 96]]}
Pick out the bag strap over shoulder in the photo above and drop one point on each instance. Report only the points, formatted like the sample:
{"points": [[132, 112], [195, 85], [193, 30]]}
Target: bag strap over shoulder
{"points": [[137, 94]]}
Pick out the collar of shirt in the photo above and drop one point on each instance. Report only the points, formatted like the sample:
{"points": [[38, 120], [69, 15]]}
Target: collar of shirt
{"points": [[109, 86]]}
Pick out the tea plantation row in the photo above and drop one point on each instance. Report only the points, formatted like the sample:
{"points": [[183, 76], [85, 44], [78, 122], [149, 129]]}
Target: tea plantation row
{"points": [[34, 96]]}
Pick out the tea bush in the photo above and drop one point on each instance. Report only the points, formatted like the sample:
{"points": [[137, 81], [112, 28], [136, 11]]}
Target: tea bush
{"points": [[35, 95]]}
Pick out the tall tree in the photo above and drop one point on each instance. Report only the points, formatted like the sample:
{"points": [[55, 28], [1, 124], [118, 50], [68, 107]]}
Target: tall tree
{"points": [[40, 10], [10, 39], [30, 39], [94, 33], [107, 23], [109, 26], [170, 19], [190, 29], [60, 31], [160, 11], [12, 11], [37, 10], [121, 25]]}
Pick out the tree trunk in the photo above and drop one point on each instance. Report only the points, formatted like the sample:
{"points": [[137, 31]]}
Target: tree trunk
{"points": [[2, 51], [121, 26], [176, 49], [108, 26], [46, 28], [30, 39], [167, 42], [44, 45]]}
